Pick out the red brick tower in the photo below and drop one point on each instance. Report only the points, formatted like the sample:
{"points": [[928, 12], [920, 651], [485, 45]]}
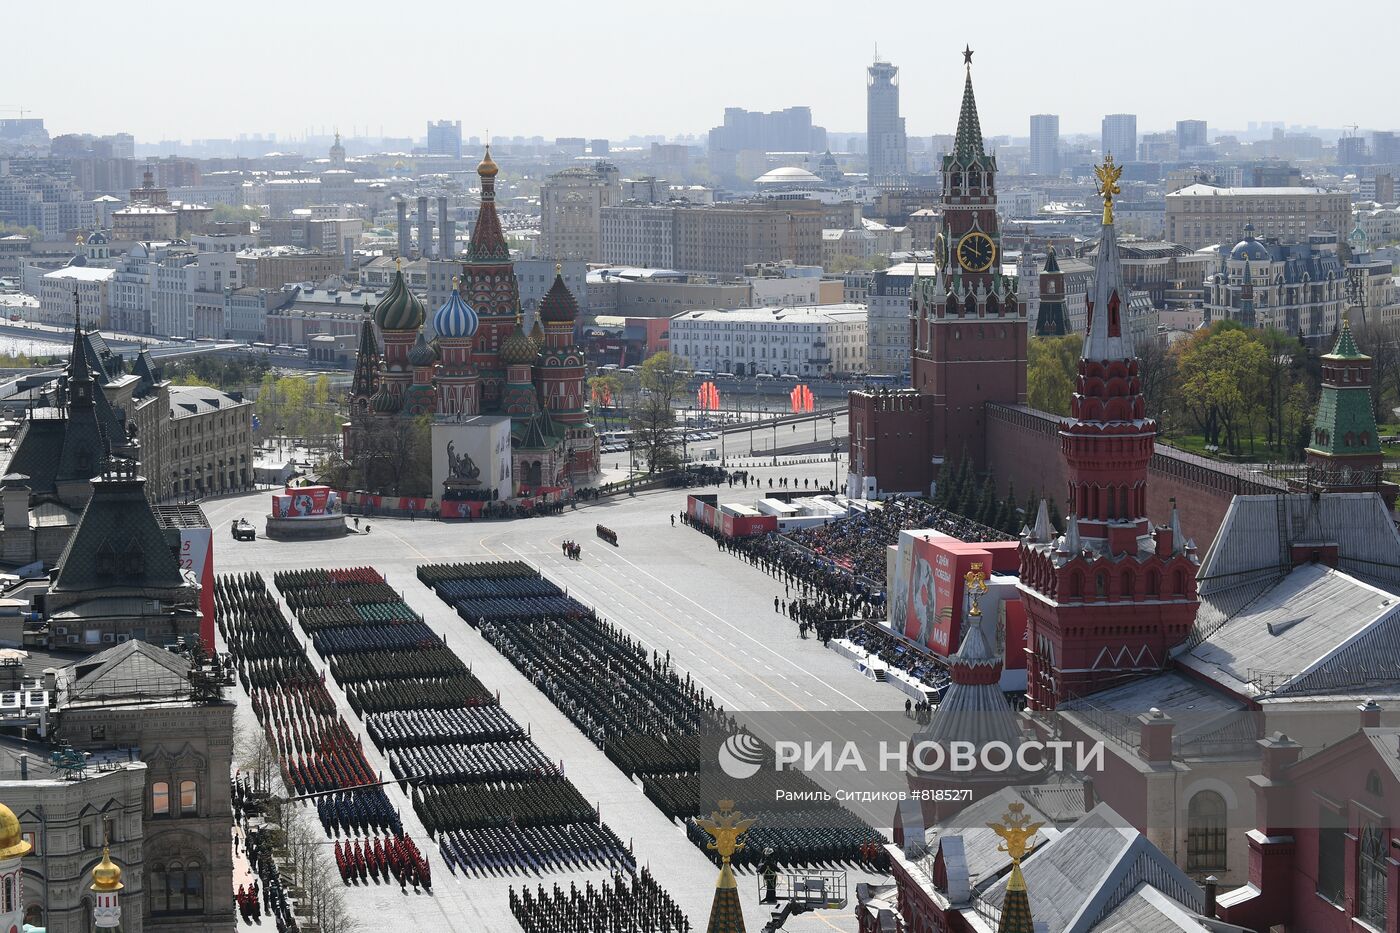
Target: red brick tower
{"points": [[1108, 598], [967, 324], [490, 288]]}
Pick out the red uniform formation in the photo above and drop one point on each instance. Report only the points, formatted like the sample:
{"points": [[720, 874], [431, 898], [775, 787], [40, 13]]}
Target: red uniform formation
{"points": [[318, 755], [395, 857]]}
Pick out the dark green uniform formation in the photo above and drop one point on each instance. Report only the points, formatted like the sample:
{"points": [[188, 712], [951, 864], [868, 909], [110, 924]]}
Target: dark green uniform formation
{"points": [[653, 722]]}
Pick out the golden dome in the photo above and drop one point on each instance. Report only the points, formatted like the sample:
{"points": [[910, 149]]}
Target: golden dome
{"points": [[12, 844], [107, 874], [487, 167]]}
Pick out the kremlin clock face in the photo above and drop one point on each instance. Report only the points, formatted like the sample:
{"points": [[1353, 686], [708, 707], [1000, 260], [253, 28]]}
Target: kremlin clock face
{"points": [[976, 252]]}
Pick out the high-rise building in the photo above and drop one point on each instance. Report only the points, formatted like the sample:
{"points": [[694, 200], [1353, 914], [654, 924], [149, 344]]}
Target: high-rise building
{"points": [[1119, 136], [1045, 144], [884, 127], [1385, 147], [445, 138], [789, 130], [1190, 134], [1351, 150], [571, 204]]}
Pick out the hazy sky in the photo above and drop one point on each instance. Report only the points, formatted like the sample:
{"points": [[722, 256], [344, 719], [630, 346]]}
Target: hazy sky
{"points": [[164, 70]]}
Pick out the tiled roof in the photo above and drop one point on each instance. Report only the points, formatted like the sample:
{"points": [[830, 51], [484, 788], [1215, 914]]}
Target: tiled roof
{"points": [[117, 545]]}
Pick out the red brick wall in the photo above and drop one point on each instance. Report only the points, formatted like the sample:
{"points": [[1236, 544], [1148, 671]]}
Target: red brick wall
{"points": [[1023, 447]]}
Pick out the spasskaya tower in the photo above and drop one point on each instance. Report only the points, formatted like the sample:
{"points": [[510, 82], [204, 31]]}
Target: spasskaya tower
{"points": [[967, 336], [968, 322]]}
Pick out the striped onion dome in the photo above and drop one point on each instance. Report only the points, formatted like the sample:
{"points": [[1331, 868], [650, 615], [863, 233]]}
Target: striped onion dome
{"points": [[421, 354], [384, 402], [399, 309], [456, 319]]}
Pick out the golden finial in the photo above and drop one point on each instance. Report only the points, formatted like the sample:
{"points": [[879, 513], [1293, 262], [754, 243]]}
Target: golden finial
{"points": [[456, 282], [106, 874], [1016, 831], [558, 268], [398, 263], [725, 825], [976, 582], [1108, 175]]}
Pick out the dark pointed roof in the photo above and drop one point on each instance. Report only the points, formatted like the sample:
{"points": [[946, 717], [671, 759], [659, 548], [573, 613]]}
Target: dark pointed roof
{"points": [[145, 368], [1016, 907], [1052, 261], [968, 144], [366, 378], [539, 432], [726, 911], [118, 544], [90, 418], [559, 305]]}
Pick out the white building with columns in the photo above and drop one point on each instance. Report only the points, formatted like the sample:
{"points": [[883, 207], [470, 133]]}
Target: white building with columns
{"points": [[806, 341]]}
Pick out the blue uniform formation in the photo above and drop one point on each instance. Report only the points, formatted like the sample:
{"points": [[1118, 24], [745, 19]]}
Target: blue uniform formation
{"points": [[653, 722], [634, 902], [320, 759], [483, 789]]}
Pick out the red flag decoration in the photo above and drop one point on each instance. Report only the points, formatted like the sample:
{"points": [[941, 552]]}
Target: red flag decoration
{"points": [[708, 396]]}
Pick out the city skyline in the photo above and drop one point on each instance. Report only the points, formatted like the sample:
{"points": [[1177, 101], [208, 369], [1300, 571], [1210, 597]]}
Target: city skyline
{"points": [[1010, 66]]}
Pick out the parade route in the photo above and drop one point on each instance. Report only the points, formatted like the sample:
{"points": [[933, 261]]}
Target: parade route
{"points": [[669, 587]]}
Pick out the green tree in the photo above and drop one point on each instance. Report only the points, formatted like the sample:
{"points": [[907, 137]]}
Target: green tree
{"points": [[666, 375], [1223, 374], [1052, 368], [653, 432], [228, 213]]}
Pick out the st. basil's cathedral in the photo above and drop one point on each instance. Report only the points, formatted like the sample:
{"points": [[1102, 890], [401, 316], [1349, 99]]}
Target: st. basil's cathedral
{"points": [[482, 361]]}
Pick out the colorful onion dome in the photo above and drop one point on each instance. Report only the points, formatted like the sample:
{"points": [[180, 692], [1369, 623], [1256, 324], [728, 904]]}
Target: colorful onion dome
{"points": [[487, 167], [384, 402], [421, 354], [518, 348], [399, 309], [455, 320], [559, 305]]}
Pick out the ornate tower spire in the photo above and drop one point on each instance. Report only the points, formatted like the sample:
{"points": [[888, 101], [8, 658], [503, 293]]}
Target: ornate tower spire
{"points": [[1107, 338], [366, 379], [726, 827], [968, 143], [1345, 452], [1107, 568], [1051, 319], [1016, 831]]}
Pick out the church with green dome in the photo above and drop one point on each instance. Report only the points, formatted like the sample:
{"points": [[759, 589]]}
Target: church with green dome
{"points": [[481, 365]]}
